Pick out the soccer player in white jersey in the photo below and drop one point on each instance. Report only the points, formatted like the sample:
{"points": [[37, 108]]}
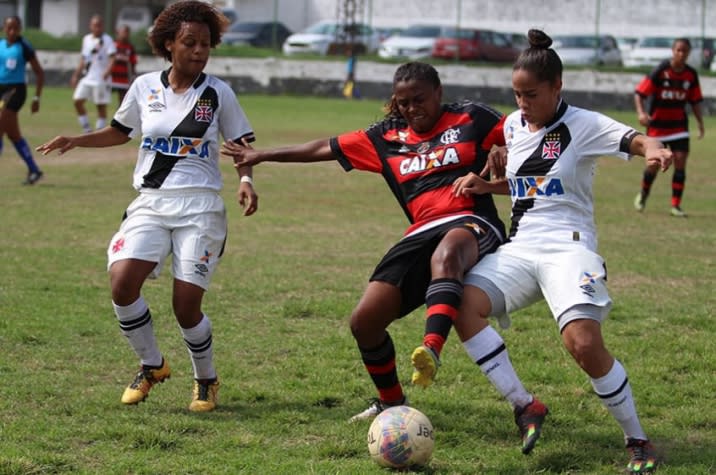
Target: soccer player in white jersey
{"points": [[178, 115], [551, 152], [91, 78]]}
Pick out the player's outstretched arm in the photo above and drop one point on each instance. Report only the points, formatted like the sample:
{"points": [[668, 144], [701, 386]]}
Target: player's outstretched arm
{"points": [[243, 154], [106, 137]]}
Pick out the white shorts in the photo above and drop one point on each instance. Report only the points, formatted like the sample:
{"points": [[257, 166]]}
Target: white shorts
{"points": [[566, 275], [188, 224], [99, 93]]}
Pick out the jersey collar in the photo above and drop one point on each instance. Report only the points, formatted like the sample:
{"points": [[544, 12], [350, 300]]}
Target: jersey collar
{"points": [[164, 77], [561, 109]]}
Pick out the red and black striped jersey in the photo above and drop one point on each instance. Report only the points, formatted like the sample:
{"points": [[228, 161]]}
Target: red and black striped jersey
{"points": [[670, 91], [124, 57], [420, 168]]}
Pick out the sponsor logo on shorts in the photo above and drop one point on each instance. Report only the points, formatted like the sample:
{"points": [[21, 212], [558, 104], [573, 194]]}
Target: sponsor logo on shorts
{"points": [[587, 284], [177, 146], [531, 186]]}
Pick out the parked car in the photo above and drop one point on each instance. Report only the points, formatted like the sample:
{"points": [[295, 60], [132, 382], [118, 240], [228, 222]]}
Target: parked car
{"points": [[136, 17], [330, 37], [588, 50], [263, 34], [626, 44], [415, 42], [467, 44], [652, 50]]}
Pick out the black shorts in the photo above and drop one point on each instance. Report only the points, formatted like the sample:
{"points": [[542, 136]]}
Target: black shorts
{"points": [[678, 145], [13, 96], [407, 263]]}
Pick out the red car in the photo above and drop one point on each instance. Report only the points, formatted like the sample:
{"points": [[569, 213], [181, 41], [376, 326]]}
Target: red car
{"points": [[467, 44]]}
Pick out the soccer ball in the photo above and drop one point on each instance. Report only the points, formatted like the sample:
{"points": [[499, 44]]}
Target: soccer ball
{"points": [[401, 437]]}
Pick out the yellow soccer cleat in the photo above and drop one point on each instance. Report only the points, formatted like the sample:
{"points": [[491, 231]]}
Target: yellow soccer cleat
{"points": [[147, 377], [426, 364], [205, 396]]}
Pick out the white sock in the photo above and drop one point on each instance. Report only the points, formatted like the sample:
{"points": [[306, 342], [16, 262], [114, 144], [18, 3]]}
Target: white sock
{"points": [[614, 391], [135, 321], [100, 123], [84, 123], [488, 350], [198, 342]]}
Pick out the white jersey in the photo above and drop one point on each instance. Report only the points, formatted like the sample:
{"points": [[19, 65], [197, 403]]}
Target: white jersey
{"points": [[97, 53], [550, 173], [180, 132]]}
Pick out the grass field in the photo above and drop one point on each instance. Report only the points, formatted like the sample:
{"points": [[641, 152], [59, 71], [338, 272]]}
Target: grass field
{"points": [[291, 375]]}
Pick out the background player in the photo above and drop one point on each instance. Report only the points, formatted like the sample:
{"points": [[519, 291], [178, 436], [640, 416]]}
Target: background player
{"points": [[670, 87], [15, 53], [420, 148], [179, 114], [125, 62], [552, 150], [94, 69]]}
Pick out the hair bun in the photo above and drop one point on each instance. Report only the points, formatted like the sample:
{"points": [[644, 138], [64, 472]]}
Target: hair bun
{"points": [[538, 39]]}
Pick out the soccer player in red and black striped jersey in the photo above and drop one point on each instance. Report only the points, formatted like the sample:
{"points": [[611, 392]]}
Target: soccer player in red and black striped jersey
{"points": [[421, 147], [670, 87], [125, 62]]}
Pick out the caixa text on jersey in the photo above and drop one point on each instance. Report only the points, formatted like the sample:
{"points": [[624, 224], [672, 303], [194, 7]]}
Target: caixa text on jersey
{"points": [[177, 146], [531, 186]]}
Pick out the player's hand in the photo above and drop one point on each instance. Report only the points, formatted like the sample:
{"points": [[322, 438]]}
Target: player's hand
{"points": [[34, 107], [701, 130], [659, 156], [496, 163], [248, 199], [60, 143], [470, 184], [243, 154], [644, 119]]}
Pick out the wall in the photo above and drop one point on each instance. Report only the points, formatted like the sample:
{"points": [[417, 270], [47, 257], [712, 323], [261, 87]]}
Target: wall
{"points": [[591, 89]]}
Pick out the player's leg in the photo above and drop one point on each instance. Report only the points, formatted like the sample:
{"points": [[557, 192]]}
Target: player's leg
{"points": [[10, 125], [101, 96], [80, 95], [460, 249], [198, 240], [583, 339], [647, 179], [485, 346], [135, 321], [137, 251], [678, 180], [378, 307]]}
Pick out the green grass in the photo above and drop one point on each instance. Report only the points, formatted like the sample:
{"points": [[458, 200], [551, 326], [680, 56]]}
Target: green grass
{"points": [[290, 371]]}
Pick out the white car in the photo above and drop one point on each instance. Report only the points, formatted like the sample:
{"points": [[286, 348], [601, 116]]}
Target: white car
{"points": [[652, 50], [588, 50], [330, 37], [414, 42]]}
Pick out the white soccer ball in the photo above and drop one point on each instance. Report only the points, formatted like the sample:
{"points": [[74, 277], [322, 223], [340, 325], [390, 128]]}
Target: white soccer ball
{"points": [[401, 437]]}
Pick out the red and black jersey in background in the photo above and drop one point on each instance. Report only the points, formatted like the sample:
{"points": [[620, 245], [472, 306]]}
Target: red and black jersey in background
{"points": [[125, 56], [670, 91], [421, 168]]}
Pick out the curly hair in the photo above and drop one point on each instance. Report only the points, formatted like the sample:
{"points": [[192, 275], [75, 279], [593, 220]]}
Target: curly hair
{"points": [[413, 71], [170, 19]]}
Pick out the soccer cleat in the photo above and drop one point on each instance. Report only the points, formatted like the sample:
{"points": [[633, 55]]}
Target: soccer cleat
{"points": [[32, 178], [676, 211], [204, 397], [639, 202], [147, 377], [426, 364], [642, 456], [376, 407], [529, 419]]}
